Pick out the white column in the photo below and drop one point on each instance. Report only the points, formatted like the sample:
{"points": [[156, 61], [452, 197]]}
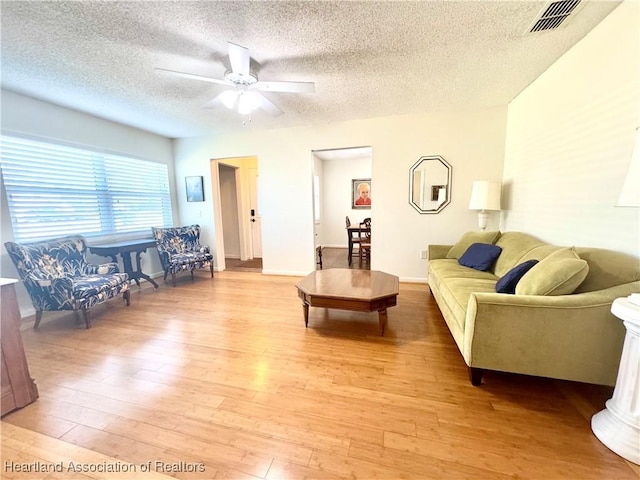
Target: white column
{"points": [[618, 425]]}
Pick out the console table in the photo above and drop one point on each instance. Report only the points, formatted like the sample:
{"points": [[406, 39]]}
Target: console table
{"points": [[618, 425], [126, 250]]}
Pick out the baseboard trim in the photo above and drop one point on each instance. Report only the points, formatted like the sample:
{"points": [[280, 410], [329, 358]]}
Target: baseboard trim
{"points": [[285, 273], [413, 280]]}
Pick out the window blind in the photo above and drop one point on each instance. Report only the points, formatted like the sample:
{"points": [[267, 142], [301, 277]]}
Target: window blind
{"points": [[55, 190]]}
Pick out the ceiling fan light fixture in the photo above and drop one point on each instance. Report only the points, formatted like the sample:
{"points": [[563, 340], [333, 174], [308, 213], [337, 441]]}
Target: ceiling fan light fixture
{"points": [[248, 102], [241, 83], [228, 98]]}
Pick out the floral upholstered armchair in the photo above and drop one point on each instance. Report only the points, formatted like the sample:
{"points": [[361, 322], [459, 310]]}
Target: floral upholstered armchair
{"points": [[57, 276], [180, 250]]}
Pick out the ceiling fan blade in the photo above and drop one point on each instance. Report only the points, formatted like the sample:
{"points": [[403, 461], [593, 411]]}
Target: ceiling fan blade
{"points": [[269, 107], [287, 87], [239, 58], [195, 77]]}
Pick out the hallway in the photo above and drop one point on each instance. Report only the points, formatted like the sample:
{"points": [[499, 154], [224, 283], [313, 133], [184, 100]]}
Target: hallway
{"points": [[237, 265]]}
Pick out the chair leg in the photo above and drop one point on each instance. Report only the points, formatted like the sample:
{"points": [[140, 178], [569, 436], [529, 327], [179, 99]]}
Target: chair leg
{"points": [[38, 319], [211, 268], [173, 278], [85, 316], [166, 272], [126, 296], [192, 275]]}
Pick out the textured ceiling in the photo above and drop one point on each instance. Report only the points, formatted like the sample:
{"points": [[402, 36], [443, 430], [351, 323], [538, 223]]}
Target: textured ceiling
{"points": [[367, 59]]}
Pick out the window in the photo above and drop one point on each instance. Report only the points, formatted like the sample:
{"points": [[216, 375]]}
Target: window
{"points": [[55, 190]]}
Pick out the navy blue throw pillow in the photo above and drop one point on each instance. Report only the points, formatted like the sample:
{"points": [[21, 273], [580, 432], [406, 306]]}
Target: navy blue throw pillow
{"points": [[507, 284], [480, 256]]}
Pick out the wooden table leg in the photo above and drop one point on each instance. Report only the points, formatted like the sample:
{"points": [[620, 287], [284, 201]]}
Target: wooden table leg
{"points": [[305, 308], [382, 320]]}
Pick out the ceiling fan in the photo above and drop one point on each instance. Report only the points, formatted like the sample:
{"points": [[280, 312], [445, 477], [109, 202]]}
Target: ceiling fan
{"points": [[245, 86]]}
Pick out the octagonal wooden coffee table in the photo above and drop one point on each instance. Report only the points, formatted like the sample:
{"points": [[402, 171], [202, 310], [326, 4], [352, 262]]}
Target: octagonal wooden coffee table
{"points": [[345, 289]]}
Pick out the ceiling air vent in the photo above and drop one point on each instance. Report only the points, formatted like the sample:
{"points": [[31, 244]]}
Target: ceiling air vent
{"points": [[554, 14]]}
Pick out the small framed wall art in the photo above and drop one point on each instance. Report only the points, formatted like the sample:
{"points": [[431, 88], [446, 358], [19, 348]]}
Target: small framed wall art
{"points": [[195, 189], [361, 193]]}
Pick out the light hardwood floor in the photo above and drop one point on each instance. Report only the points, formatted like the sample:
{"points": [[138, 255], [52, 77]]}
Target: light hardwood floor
{"points": [[221, 375]]}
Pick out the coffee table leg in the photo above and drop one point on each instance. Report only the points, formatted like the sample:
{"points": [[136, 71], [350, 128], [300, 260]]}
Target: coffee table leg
{"points": [[305, 308], [382, 320]]}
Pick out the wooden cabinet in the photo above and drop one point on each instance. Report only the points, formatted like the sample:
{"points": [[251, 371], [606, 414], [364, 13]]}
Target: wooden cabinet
{"points": [[18, 388]]}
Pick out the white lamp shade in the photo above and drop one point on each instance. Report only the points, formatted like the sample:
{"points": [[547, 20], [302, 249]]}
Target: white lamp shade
{"points": [[228, 98], [248, 102], [630, 194], [485, 195]]}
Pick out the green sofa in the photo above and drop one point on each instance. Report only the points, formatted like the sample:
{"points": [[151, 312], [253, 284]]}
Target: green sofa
{"points": [[552, 333]]}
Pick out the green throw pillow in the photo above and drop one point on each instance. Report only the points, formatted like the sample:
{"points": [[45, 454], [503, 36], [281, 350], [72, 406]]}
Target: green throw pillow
{"points": [[557, 274], [470, 238]]}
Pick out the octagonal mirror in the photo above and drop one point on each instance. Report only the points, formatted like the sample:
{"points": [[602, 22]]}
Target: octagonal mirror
{"points": [[430, 184]]}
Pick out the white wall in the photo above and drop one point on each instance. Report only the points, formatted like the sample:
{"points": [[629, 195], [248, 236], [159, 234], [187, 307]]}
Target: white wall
{"points": [[569, 141], [472, 142], [336, 198], [27, 116]]}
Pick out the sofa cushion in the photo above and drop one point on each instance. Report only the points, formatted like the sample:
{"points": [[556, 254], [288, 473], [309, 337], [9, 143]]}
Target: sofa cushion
{"points": [[607, 269], [480, 256], [558, 274], [515, 245], [539, 252], [445, 268], [507, 283], [470, 238], [455, 293]]}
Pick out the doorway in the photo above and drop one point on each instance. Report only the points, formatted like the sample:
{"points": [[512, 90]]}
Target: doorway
{"points": [[236, 214], [334, 174]]}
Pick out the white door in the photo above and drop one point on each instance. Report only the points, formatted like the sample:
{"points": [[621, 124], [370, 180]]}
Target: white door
{"points": [[256, 225]]}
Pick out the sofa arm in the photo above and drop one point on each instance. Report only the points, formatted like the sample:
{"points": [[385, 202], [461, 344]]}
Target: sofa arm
{"points": [[437, 251], [573, 337]]}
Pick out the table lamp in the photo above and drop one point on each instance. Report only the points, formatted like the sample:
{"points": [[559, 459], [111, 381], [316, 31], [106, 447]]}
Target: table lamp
{"points": [[485, 197]]}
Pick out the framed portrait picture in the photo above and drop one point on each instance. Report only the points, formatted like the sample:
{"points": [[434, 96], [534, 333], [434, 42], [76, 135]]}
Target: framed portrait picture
{"points": [[436, 192], [195, 189], [361, 193]]}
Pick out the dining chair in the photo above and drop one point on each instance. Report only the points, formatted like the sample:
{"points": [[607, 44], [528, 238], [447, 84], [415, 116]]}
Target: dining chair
{"points": [[364, 233], [319, 256], [353, 238]]}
